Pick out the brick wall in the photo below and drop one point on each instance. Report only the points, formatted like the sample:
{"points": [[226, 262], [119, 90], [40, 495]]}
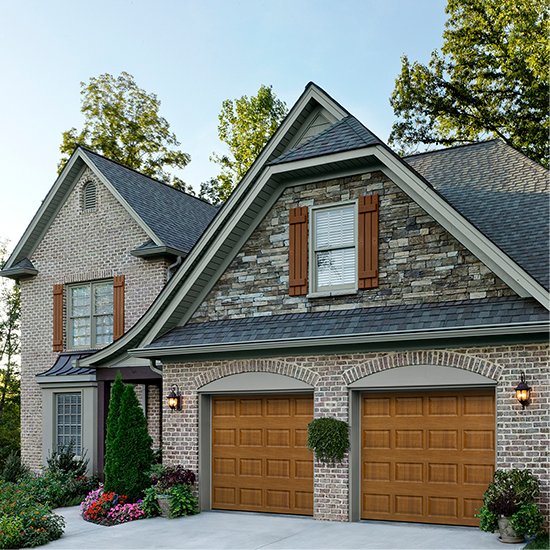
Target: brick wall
{"points": [[419, 261], [78, 246], [522, 435]]}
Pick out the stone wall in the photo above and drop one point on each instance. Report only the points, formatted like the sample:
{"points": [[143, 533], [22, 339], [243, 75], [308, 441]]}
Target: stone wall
{"points": [[419, 261], [522, 435], [80, 245]]}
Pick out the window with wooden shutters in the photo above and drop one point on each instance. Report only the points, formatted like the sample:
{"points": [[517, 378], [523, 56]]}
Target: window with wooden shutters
{"points": [[343, 247], [95, 313]]}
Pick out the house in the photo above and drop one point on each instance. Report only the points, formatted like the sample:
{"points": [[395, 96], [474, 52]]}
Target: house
{"points": [[405, 296]]}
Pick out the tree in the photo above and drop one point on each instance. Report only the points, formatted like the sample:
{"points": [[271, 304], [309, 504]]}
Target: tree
{"points": [[10, 385], [122, 122], [245, 126], [132, 454], [113, 415], [489, 80]]}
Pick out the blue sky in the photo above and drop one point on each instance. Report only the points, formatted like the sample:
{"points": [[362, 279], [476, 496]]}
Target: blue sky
{"points": [[193, 54]]}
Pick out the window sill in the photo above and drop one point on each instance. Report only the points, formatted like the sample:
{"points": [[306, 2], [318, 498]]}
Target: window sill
{"points": [[330, 293]]}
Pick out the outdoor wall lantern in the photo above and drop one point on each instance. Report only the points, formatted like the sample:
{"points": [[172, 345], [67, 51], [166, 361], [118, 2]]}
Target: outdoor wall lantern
{"points": [[174, 398], [523, 392]]}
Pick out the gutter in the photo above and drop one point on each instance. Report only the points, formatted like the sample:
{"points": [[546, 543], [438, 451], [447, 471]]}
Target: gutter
{"points": [[347, 339]]}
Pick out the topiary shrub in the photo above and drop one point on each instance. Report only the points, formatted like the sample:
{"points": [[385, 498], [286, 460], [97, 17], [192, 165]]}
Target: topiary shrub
{"points": [[110, 470], [328, 438], [131, 454]]}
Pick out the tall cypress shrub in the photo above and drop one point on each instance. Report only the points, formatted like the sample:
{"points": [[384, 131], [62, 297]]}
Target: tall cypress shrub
{"points": [[112, 428], [132, 452]]}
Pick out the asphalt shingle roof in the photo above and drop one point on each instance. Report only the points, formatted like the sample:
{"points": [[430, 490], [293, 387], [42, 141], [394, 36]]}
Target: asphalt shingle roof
{"points": [[502, 192], [345, 135], [458, 314], [178, 219]]}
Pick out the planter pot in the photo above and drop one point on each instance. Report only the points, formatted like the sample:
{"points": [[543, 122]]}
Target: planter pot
{"points": [[164, 503], [507, 534]]}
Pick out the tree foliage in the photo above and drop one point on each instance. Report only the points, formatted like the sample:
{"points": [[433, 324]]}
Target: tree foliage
{"points": [[132, 456], [246, 125], [10, 385], [491, 79], [122, 123]]}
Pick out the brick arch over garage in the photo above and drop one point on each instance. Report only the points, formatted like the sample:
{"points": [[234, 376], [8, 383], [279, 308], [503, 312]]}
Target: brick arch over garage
{"points": [[259, 365], [437, 358]]}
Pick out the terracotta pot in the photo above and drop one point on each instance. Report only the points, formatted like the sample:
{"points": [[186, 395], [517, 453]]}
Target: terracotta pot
{"points": [[507, 534], [164, 503]]}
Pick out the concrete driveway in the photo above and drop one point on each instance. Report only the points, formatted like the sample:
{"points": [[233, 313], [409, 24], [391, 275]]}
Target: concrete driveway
{"points": [[242, 530]]}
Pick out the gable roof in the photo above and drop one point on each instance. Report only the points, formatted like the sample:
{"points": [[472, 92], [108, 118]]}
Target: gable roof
{"points": [[345, 135], [172, 219], [176, 218], [500, 191], [262, 186]]}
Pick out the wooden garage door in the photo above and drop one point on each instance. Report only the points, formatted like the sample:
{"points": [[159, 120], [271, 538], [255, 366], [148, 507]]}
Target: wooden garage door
{"points": [[260, 461], [426, 457]]}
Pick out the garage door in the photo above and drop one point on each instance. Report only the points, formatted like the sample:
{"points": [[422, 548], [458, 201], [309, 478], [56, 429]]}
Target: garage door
{"points": [[426, 457], [260, 461]]}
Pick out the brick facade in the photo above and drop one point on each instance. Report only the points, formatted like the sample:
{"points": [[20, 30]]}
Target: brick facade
{"points": [[522, 435], [419, 261], [79, 245]]}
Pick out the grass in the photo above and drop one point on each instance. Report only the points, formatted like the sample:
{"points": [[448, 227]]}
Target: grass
{"points": [[539, 543]]}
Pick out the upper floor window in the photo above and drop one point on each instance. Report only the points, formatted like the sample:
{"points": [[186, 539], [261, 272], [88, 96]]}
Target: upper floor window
{"points": [[90, 315], [89, 196], [334, 248]]}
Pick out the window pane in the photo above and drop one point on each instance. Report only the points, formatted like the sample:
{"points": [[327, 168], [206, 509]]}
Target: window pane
{"points": [[80, 301], [69, 425], [336, 267], [103, 302], [334, 228]]}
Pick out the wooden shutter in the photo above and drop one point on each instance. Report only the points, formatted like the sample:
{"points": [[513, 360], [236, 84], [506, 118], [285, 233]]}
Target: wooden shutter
{"points": [[368, 241], [297, 227], [118, 307], [58, 317]]}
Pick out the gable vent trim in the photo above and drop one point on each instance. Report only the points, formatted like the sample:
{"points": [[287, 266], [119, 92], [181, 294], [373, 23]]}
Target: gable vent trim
{"points": [[90, 196]]}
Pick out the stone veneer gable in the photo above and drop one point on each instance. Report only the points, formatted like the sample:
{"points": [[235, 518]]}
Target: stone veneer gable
{"points": [[419, 261]]}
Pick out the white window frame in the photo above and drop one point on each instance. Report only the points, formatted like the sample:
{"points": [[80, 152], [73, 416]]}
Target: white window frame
{"points": [[77, 449], [93, 344], [348, 288]]}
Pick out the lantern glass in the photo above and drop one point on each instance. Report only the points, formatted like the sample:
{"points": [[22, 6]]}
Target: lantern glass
{"points": [[172, 401]]}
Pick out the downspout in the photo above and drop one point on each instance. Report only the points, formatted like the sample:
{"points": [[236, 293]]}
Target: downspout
{"points": [[173, 268]]}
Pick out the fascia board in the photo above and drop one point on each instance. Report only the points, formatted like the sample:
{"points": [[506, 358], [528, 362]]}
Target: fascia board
{"points": [[150, 233], [468, 235], [373, 337], [58, 187]]}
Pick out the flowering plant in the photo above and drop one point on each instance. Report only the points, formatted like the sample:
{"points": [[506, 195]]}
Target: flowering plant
{"points": [[121, 513], [97, 505]]}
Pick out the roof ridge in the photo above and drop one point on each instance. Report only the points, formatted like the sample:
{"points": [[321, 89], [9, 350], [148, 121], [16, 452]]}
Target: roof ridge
{"points": [[142, 174]]}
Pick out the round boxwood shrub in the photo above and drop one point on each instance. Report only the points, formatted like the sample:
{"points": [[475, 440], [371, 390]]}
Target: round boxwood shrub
{"points": [[328, 438]]}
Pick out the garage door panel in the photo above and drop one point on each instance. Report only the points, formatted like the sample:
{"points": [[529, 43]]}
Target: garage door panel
{"points": [[432, 468], [259, 458]]}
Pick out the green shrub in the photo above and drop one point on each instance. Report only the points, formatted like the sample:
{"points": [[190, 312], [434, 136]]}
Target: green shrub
{"points": [[528, 520], [131, 455], [64, 460], [182, 501], [111, 470], [39, 525], [328, 437], [11, 532], [14, 468], [150, 503]]}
